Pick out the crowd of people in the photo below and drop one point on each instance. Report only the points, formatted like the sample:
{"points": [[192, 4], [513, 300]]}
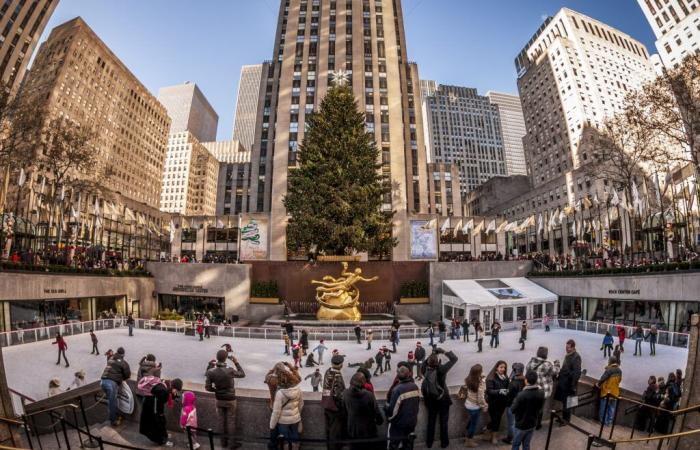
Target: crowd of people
{"points": [[82, 260], [516, 393]]}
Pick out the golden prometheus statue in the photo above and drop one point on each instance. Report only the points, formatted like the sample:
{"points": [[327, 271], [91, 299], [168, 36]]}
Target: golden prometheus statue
{"points": [[338, 298]]}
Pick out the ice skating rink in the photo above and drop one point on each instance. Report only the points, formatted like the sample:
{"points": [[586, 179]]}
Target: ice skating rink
{"points": [[30, 366]]}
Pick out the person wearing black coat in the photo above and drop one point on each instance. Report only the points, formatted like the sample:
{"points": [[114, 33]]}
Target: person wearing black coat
{"points": [[437, 407], [363, 415], [569, 375], [497, 397], [419, 355], [379, 359], [526, 408], [515, 385], [152, 423], [304, 342], [651, 397]]}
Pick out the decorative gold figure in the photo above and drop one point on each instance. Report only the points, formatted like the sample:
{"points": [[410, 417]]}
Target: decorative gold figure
{"points": [[338, 298]]}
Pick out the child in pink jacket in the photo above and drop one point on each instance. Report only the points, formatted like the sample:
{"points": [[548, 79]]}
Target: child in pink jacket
{"points": [[188, 418]]}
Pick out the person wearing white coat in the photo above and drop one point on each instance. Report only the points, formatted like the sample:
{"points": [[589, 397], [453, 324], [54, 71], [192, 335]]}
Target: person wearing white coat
{"points": [[285, 420]]}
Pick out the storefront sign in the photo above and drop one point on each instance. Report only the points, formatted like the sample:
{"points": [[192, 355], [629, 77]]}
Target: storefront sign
{"points": [[188, 288], [54, 291], [624, 291]]}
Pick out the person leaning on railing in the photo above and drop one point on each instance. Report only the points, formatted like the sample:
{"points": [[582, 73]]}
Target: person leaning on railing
{"points": [[609, 385]]}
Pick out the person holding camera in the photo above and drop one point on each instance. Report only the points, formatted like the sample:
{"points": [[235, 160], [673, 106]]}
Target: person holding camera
{"points": [[220, 381], [436, 395]]}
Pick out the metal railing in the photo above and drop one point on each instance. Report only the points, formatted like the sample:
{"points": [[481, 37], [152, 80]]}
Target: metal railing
{"points": [[18, 337], [663, 337]]}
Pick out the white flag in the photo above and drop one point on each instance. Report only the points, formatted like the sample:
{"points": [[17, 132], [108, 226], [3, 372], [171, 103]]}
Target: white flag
{"points": [[636, 201], [96, 207], [22, 178], [562, 216], [63, 192], [615, 200], [445, 226], [430, 225], [502, 227], [540, 224], [77, 217], [457, 227], [468, 226], [491, 226]]}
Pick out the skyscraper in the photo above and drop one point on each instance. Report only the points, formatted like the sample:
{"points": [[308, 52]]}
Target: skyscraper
{"points": [[676, 24], [247, 105], [232, 193], [574, 73], [366, 40], [190, 111], [75, 75], [513, 128], [190, 177], [21, 23], [465, 130]]}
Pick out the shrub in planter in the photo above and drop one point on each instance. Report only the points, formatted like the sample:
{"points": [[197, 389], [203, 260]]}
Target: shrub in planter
{"points": [[264, 289]]}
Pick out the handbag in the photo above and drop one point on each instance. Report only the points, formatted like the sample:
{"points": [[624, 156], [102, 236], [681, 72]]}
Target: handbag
{"points": [[328, 403]]}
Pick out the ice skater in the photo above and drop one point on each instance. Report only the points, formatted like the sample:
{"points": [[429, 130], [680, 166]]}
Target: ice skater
{"points": [[368, 337], [638, 337], [316, 379], [320, 348], [296, 355], [495, 331], [431, 333], [379, 359], [286, 343], [607, 345], [479, 336], [62, 347], [387, 360], [523, 335], [130, 324], [358, 333], [93, 338]]}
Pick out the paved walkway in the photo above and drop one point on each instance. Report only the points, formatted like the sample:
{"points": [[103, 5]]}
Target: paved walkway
{"points": [[29, 367], [562, 438]]}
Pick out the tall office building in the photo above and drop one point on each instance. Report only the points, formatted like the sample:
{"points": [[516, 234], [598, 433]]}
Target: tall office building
{"points": [[247, 105], [366, 40], [189, 178], [190, 111], [464, 129], [513, 129], [574, 73], [76, 76], [22, 23], [233, 189], [676, 24]]}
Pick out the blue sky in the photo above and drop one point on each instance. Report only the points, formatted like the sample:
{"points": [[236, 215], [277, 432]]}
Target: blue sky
{"points": [[465, 42]]}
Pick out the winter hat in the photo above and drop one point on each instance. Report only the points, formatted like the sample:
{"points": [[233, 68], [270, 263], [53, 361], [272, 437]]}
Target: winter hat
{"points": [[518, 368], [55, 382], [337, 360], [80, 374]]}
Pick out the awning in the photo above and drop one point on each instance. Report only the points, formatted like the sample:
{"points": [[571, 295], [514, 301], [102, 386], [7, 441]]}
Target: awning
{"points": [[489, 293]]}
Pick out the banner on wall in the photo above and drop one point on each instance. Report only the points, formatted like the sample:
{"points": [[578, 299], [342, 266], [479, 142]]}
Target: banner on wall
{"points": [[423, 240], [253, 239]]}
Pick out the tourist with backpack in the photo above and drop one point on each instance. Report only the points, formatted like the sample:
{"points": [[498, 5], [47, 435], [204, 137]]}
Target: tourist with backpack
{"points": [[436, 395], [515, 385], [332, 402], [402, 410]]}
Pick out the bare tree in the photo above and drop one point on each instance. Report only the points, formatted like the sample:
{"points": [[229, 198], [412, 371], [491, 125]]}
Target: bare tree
{"points": [[623, 150], [670, 106], [67, 157]]}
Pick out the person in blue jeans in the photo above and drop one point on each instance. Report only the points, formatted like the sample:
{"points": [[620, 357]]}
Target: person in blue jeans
{"points": [[473, 392], [526, 408], [116, 372], [609, 385]]}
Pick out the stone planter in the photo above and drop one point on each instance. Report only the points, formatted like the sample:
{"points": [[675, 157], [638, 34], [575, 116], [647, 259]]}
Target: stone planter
{"points": [[265, 300], [339, 258], [414, 300]]}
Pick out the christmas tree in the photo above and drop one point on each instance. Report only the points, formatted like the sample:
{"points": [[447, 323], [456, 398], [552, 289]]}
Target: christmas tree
{"points": [[334, 197]]}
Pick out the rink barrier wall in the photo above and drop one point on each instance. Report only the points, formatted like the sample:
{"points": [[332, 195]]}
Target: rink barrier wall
{"points": [[19, 337]]}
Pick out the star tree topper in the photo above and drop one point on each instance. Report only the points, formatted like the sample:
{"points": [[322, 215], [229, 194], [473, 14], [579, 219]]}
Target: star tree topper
{"points": [[340, 77]]}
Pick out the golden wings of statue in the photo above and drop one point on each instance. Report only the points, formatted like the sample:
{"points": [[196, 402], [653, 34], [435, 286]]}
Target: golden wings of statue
{"points": [[339, 298]]}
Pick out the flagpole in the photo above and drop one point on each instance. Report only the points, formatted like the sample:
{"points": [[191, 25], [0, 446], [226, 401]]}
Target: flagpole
{"points": [[687, 216]]}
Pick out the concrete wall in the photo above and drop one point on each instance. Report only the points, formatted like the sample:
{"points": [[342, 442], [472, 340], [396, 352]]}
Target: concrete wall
{"points": [[230, 281], [440, 271], [679, 286], [45, 286]]}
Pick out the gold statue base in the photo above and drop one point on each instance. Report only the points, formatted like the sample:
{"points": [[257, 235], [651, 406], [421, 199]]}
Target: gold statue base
{"points": [[351, 314]]}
